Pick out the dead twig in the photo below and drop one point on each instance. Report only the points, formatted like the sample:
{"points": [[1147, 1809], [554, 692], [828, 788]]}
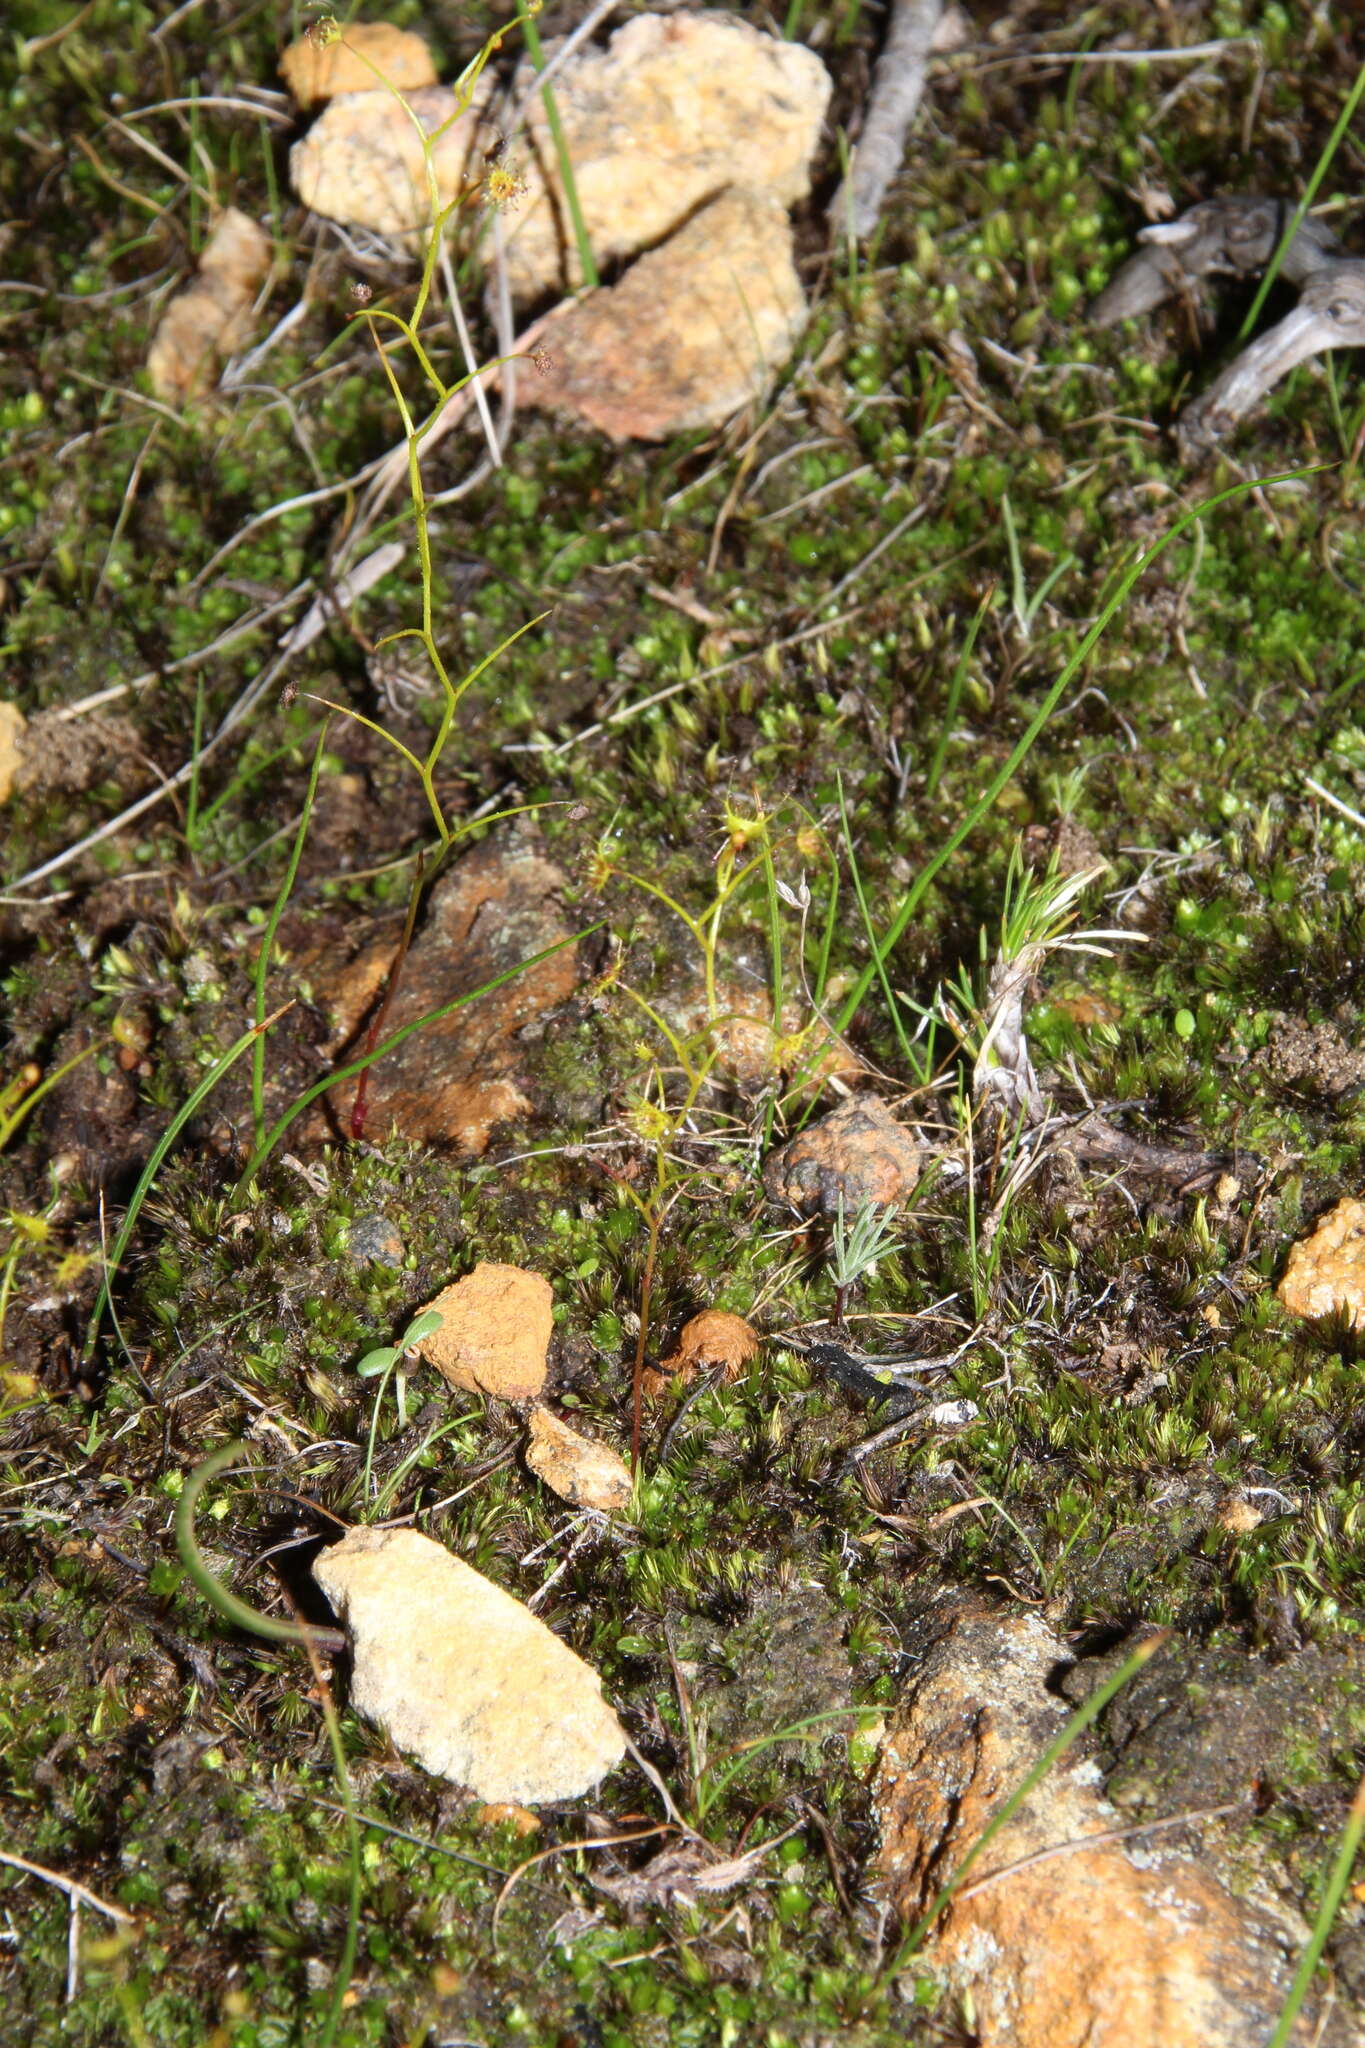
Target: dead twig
{"points": [[897, 86], [79, 1894]]}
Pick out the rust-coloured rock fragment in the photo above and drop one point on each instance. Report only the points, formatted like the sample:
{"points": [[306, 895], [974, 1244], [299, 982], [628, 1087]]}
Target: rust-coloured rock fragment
{"points": [[1325, 1273], [1103, 1946], [715, 1337], [495, 1332], [858, 1152], [451, 1082], [694, 330]]}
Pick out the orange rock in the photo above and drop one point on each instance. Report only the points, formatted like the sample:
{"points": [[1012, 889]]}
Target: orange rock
{"points": [[1237, 1517], [1111, 1946], [495, 1332], [315, 70], [503, 1815], [858, 1152], [715, 1337], [584, 1473], [1325, 1273], [1087, 1010]]}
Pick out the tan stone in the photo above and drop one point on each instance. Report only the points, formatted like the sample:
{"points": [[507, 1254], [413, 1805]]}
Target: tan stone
{"points": [[500, 1815], [463, 1676], [858, 1152], [673, 110], [1108, 1946], [12, 723], [495, 1332], [694, 330], [66, 756], [362, 161], [1325, 1273], [1237, 1517], [210, 319], [584, 1473], [315, 71]]}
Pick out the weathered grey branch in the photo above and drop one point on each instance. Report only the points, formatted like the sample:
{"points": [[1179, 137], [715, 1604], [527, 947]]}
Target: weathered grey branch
{"points": [[897, 86], [1330, 314], [1235, 236]]}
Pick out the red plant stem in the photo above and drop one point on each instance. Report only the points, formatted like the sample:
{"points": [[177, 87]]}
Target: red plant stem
{"points": [[372, 1036]]}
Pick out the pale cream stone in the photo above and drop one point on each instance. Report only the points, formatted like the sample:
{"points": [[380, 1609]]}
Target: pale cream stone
{"points": [[495, 1332], [362, 161], [673, 110], [12, 723], [584, 1473], [464, 1677]]}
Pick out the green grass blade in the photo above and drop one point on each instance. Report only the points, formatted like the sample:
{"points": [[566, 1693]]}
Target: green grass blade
{"points": [[1338, 1879], [1023, 747], [1310, 193], [955, 685], [586, 262], [150, 1171], [242, 1615], [285, 891]]}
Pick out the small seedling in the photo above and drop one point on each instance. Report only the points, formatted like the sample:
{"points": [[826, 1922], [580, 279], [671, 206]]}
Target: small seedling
{"points": [[388, 1361]]}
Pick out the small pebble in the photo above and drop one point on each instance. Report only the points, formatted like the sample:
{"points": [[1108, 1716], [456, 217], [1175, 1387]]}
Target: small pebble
{"points": [[373, 1238]]}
